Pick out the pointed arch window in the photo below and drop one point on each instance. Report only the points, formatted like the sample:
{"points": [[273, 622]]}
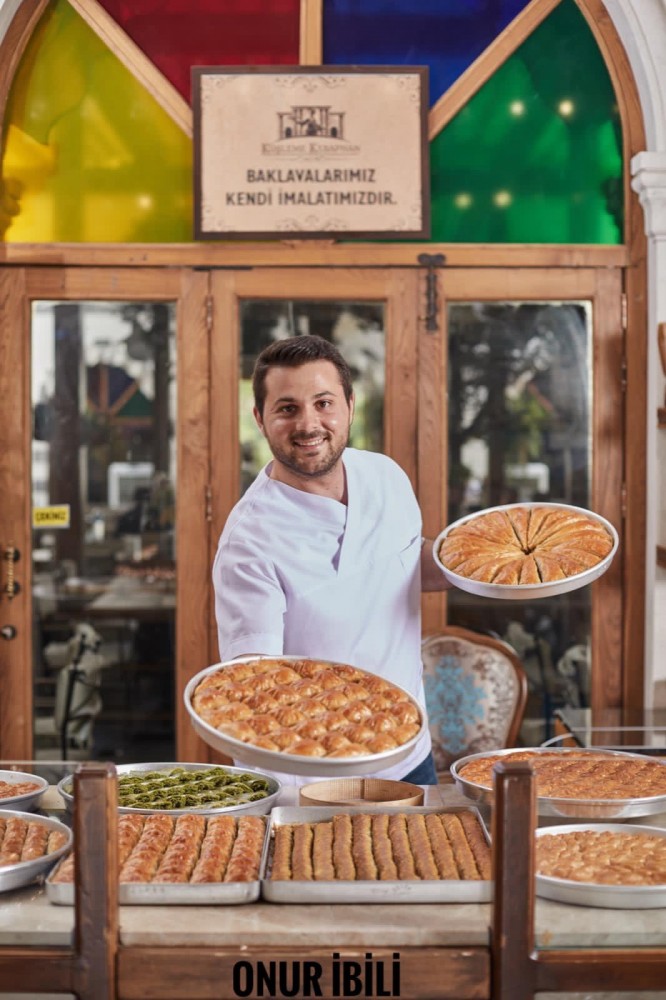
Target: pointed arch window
{"points": [[534, 155]]}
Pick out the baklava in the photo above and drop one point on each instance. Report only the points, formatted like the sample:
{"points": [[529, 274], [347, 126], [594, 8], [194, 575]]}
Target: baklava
{"points": [[382, 847], [188, 849], [580, 774], [525, 545], [603, 857], [306, 707], [27, 840]]}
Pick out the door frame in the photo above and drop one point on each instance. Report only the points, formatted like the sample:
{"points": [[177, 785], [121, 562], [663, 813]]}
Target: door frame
{"points": [[602, 287], [19, 287], [207, 301]]}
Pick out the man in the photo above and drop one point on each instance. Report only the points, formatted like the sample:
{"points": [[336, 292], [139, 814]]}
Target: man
{"points": [[323, 556]]}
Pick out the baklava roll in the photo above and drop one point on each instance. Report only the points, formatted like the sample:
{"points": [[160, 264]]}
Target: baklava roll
{"points": [[215, 850], [142, 863], [56, 840], [383, 851], [461, 850], [322, 852], [420, 844], [130, 827], [342, 843], [397, 829], [65, 870], [477, 842], [181, 855], [282, 844], [16, 831], [301, 855], [35, 843], [364, 861], [246, 853], [441, 848]]}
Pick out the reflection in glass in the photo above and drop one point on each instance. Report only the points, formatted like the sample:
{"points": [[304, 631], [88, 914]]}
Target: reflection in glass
{"points": [[103, 450], [520, 398], [357, 329]]}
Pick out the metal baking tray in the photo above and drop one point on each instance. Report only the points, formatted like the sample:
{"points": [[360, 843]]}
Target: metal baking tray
{"points": [[395, 891], [172, 894], [258, 808], [617, 897], [566, 808], [26, 872], [527, 591], [289, 763], [28, 800]]}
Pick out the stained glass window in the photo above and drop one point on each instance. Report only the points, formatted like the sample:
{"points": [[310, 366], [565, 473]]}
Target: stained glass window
{"points": [[176, 35], [536, 155], [445, 35], [90, 155]]}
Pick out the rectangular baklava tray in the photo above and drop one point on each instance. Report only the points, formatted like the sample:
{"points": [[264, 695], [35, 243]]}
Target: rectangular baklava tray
{"points": [[329, 854], [189, 859]]}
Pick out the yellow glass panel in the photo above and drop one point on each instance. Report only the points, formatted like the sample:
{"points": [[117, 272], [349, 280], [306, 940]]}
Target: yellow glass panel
{"points": [[89, 155]]}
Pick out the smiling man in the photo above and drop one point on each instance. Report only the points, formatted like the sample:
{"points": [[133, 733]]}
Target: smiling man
{"points": [[323, 556]]}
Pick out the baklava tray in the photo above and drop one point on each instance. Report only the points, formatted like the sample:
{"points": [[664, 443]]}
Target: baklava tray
{"points": [[390, 891]]}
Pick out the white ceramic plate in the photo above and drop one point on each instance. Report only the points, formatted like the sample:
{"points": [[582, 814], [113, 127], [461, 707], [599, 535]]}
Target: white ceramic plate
{"points": [[257, 808], [289, 763], [26, 800], [624, 897], [526, 591]]}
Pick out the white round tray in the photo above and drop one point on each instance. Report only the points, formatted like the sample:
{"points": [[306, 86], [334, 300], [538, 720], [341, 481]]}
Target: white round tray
{"points": [[258, 808], [25, 872], [563, 808], [324, 767], [27, 800], [526, 591], [624, 897]]}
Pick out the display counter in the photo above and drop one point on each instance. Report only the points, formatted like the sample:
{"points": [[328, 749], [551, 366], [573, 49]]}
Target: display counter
{"points": [[443, 950]]}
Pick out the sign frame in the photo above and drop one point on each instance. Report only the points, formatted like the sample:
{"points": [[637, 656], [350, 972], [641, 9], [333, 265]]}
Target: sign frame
{"points": [[400, 182]]}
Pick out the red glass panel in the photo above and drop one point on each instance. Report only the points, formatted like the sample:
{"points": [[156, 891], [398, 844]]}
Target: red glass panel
{"points": [[179, 34]]}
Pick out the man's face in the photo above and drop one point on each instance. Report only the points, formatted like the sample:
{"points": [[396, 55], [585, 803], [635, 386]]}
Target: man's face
{"points": [[306, 418]]}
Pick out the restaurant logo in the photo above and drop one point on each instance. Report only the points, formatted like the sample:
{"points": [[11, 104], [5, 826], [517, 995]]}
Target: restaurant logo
{"points": [[310, 120], [310, 130]]}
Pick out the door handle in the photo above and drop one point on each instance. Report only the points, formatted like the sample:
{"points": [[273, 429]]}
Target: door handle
{"points": [[8, 632], [11, 556]]}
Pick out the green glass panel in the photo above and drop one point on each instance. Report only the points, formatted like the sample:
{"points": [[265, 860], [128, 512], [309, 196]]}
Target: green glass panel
{"points": [[89, 155], [536, 155]]}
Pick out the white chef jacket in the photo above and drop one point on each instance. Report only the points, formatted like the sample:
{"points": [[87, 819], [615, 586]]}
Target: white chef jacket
{"points": [[305, 575]]}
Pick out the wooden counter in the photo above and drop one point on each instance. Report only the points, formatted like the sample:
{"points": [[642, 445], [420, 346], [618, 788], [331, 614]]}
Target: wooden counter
{"points": [[445, 950]]}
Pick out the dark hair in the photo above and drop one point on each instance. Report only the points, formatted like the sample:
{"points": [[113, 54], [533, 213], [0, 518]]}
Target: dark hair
{"points": [[292, 353]]}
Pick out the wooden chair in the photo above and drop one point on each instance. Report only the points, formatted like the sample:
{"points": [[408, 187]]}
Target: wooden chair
{"points": [[476, 690]]}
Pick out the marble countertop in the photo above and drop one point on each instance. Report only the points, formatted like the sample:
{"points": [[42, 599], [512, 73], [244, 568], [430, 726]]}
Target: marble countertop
{"points": [[28, 918]]}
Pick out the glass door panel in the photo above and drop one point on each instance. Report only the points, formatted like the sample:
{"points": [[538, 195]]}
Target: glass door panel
{"points": [[356, 328], [520, 429], [103, 402]]}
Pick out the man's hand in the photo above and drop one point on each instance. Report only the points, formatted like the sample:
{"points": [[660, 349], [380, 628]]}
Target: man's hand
{"points": [[432, 577]]}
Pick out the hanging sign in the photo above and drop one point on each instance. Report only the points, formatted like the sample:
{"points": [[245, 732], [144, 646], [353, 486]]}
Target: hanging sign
{"points": [[311, 152], [55, 516]]}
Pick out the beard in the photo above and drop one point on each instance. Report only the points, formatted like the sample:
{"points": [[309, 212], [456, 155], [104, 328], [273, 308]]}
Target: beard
{"points": [[311, 467]]}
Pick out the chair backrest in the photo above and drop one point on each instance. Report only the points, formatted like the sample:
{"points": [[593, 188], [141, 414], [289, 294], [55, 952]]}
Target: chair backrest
{"points": [[475, 689], [78, 701]]}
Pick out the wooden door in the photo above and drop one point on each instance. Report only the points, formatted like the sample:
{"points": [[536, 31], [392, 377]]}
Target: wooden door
{"points": [[491, 300], [20, 290], [241, 298]]}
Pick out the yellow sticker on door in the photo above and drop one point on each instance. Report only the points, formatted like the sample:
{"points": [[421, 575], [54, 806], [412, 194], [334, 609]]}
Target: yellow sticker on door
{"points": [[56, 516]]}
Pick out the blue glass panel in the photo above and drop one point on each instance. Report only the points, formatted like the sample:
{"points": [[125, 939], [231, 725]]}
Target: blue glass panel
{"points": [[446, 35]]}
